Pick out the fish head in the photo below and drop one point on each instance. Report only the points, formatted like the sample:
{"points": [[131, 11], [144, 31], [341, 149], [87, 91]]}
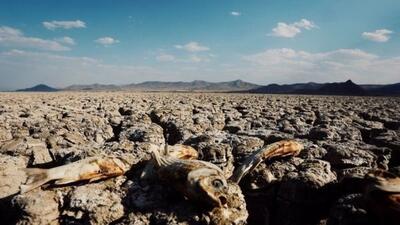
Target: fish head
{"points": [[216, 188], [198, 180], [209, 185]]}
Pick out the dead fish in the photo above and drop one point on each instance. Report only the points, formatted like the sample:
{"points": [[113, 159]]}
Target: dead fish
{"points": [[277, 149], [91, 169], [197, 180], [177, 151], [180, 151], [383, 181], [382, 195]]}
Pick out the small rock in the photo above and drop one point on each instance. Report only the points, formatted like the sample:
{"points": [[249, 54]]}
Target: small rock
{"points": [[11, 175], [94, 204], [38, 207], [349, 210]]}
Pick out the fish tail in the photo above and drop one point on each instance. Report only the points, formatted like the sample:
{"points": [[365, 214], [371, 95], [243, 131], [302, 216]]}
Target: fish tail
{"points": [[166, 151], [35, 178], [159, 159], [155, 154]]}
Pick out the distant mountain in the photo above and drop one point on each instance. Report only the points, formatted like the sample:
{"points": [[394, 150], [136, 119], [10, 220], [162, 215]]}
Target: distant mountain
{"points": [[239, 86], [197, 85], [339, 88], [232, 85], [167, 86], [286, 88], [92, 87], [369, 87], [390, 89], [39, 88]]}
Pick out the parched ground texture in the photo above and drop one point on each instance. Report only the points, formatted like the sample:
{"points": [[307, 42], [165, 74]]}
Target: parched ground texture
{"points": [[344, 137]]}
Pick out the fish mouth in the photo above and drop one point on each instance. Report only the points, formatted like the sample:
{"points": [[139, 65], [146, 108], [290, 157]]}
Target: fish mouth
{"points": [[222, 200], [218, 201]]}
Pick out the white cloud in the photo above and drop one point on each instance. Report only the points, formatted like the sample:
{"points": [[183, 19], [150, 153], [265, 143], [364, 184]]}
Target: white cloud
{"points": [[285, 30], [9, 32], [289, 66], [291, 30], [163, 57], [198, 59], [11, 37], [106, 41], [289, 56], [64, 24], [235, 13], [193, 47], [66, 40], [306, 24], [382, 35]]}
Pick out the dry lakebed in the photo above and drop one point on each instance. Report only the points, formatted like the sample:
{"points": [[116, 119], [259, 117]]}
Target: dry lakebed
{"points": [[344, 139]]}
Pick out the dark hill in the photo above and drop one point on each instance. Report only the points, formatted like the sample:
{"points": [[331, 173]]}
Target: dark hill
{"points": [[385, 90], [286, 88], [39, 88], [340, 88]]}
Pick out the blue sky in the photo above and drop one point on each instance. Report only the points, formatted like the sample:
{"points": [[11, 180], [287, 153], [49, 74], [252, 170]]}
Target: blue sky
{"points": [[80, 42]]}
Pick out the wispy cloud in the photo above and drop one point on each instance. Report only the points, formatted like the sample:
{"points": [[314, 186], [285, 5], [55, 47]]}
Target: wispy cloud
{"points": [[291, 30], [52, 25], [60, 71], [382, 35], [337, 65], [66, 40], [198, 59], [193, 47], [189, 58], [11, 37], [163, 57], [106, 41], [273, 65], [236, 13]]}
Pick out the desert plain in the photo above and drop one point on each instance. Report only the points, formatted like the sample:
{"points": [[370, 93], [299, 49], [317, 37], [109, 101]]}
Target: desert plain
{"points": [[343, 137]]}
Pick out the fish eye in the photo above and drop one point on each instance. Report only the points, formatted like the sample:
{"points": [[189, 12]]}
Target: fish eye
{"points": [[217, 183]]}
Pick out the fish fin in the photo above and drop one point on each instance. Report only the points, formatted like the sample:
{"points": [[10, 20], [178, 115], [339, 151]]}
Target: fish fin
{"points": [[122, 163], [97, 178], [166, 150], [161, 161], [64, 181], [278, 149], [36, 178], [248, 165]]}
